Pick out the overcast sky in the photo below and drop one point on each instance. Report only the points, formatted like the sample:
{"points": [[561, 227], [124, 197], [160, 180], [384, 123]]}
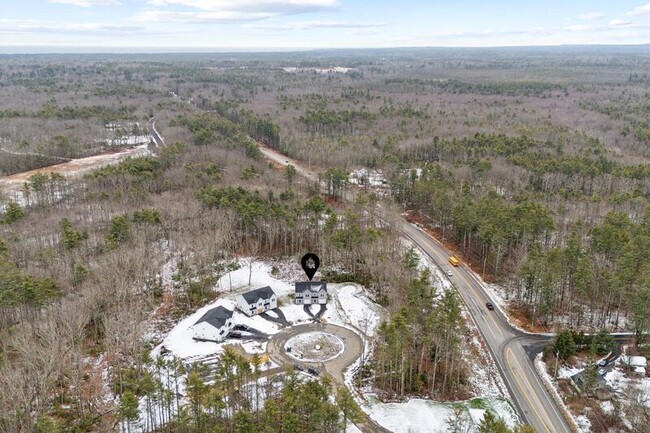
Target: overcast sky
{"points": [[179, 25]]}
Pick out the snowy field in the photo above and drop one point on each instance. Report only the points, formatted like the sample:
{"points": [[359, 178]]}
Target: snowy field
{"points": [[426, 416]]}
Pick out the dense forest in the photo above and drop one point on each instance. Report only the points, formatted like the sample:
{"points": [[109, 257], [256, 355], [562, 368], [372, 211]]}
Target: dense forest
{"points": [[534, 168]]}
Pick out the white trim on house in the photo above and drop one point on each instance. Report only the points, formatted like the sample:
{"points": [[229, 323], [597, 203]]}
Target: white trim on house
{"points": [[214, 325], [257, 301], [310, 292]]}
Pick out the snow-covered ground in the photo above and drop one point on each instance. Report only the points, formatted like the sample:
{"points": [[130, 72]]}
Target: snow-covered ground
{"points": [[426, 416], [621, 381], [438, 278], [127, 140], [330, 70]]}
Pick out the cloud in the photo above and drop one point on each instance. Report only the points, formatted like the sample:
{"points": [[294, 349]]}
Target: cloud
{"points": [[640, 10], [87, 3], [591, 16], [578, 28], [211, 5], [305, 25], [157, 16], [620, 23], [21, 27], [203, 11]]}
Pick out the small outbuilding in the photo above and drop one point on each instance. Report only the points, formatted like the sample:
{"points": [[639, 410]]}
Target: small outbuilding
{"points": [[214, 325], [311, 292], [257, 301]]}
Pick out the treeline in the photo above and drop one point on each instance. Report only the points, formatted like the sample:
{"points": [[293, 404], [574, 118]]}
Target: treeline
{"points": [[510, 88], [208, 128], [484, 223], [588, 172], [600, 278], [51, 110], [22, 296], [420, 349], [106, 114], [230, 395], [325, 121]]}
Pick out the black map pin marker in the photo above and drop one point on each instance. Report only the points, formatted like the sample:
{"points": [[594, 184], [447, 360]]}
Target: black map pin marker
{"points": [[310, 263]]}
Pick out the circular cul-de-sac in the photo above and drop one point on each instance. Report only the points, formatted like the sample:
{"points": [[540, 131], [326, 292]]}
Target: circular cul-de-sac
{"points": [[314, 346]]}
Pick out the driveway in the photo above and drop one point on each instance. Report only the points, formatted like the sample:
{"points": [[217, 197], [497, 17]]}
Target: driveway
{"points": [[335, 367]]}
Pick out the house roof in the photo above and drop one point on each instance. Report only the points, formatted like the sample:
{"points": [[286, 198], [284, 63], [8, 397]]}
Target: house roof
{"points": [[310, 286], [216, 317], [262, 293]]}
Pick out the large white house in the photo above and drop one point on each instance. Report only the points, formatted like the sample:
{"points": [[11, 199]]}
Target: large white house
{"points": [[214, 325], [257, 301], [311, 292]]}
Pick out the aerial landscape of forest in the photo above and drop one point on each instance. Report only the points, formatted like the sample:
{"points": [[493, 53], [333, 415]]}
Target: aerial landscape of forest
{"points": [[481, 217]]}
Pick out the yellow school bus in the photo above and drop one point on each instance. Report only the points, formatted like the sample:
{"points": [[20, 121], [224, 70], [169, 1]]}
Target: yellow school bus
{"points": [[454, 261]]}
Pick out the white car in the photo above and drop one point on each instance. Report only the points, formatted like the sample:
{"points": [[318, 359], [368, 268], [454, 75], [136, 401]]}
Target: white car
{"points": [[449, 273]]}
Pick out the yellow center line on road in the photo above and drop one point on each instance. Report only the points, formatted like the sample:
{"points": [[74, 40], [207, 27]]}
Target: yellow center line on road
{"points": [[524, 393], [492, 326]]}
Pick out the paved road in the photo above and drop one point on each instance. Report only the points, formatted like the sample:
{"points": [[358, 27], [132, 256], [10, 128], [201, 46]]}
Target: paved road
{"points": [[529, 394], [153, 132]]}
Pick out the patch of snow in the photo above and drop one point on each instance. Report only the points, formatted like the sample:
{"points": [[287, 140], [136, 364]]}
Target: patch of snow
{"points": [[260, 275], [331, 70], [127, 140], [253, 347], [358, 308], [351, 428], [583, 423], [364, 176], [567, 371], [295, 313], [426, 416], [302, 348], [607, 406]]}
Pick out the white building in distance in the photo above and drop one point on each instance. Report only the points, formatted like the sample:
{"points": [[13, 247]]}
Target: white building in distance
{"points": [[214, 325], [257, 301], [311, 292]]}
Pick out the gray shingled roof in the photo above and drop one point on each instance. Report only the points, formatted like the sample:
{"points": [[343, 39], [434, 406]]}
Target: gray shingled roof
{"points": [[216, 317], [255, 295], [312, 286]]}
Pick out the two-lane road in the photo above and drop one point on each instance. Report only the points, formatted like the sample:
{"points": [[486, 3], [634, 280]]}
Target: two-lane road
{"points": [[529, 394]]}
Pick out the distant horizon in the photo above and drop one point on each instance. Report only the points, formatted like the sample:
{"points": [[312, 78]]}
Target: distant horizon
{"points": [[297, 25], [75, 49]]}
